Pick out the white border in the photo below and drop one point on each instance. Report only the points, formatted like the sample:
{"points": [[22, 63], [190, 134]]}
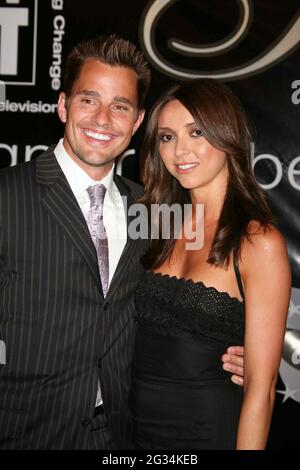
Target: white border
{"points": [[34, 53]]}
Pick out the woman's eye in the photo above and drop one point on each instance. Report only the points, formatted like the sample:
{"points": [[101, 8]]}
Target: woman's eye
{"points": [[165, 138], [197, 133]]}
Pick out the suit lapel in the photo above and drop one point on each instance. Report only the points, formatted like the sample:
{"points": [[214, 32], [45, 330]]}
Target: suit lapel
{"points": [[130, 247], [61, 204]]}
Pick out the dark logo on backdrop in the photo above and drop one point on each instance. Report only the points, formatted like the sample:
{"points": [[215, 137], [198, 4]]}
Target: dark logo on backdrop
{"points": [[287, 42], [18, 41]]}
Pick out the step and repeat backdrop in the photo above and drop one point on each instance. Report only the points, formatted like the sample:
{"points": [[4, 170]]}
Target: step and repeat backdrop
{"points": [[254, 46]]}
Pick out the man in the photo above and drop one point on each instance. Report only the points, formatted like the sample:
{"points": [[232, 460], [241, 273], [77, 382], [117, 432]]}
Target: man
{"points": [[67, 293]]}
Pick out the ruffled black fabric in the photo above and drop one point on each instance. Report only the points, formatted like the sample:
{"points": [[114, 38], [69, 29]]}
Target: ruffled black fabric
{"points": [[184, 308]]}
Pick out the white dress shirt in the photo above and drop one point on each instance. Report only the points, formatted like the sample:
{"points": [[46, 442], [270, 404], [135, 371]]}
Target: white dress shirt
{"points": [[114, 217]]}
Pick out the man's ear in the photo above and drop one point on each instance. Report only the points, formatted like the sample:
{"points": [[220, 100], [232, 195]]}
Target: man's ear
{"points": [[138, 121], [62, 107]]}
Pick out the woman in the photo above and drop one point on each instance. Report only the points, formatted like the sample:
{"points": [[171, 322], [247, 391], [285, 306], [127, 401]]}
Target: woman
{"points": [[192, 304]]}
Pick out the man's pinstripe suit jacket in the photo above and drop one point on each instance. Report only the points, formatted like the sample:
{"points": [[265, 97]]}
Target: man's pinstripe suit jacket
{"points": [[60, 333]]}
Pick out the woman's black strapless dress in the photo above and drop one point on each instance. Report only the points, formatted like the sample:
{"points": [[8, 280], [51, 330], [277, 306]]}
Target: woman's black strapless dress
{"points": [[181, 397]]}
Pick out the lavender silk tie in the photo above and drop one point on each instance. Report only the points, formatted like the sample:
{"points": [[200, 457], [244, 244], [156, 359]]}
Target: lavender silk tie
{"points": [[98, 233]]}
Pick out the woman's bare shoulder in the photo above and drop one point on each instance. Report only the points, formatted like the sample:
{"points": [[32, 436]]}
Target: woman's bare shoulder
{"points": [[264, 243]]}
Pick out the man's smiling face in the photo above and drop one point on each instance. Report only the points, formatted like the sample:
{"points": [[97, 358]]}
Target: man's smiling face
{"points": [[101, 115]]}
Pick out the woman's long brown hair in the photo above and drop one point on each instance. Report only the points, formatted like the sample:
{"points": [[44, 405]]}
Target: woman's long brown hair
{"points": [[218, 114]]}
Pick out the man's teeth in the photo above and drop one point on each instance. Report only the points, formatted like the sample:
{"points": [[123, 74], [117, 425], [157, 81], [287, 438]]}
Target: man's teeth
{"points": [[187, 166], [98, 136]]}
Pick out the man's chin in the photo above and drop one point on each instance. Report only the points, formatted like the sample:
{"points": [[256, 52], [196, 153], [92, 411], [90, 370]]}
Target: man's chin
{"points": [[100, 164], [97, 162]]}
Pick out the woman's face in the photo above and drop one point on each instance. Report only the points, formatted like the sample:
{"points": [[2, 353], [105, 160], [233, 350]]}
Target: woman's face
{"points": [[187, 155]]}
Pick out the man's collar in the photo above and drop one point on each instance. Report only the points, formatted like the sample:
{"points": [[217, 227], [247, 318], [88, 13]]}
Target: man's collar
{"points": [[77, 178]]}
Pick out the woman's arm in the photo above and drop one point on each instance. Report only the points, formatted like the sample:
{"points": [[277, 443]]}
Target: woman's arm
{"points": [[266, 273]]}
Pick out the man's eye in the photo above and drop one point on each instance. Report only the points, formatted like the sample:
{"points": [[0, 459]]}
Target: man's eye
{"points": [[86, 101], [119, 107]]}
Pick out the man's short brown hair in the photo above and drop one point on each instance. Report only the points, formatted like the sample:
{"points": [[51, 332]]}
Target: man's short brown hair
{"points": [[111, 50]]}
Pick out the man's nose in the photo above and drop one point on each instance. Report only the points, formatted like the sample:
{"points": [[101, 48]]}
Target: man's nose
{"points": [[103, 115]]}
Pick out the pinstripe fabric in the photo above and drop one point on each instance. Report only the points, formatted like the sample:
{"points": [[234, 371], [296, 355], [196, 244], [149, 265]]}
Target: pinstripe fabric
{"points": [[60, 333]]}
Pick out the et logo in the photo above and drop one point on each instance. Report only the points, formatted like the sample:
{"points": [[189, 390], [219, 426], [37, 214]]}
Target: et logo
{"points": [[18, 30]]}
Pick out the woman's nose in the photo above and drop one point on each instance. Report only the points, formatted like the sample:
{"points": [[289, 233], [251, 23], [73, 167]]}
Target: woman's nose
{"points": [[181, 147]]}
